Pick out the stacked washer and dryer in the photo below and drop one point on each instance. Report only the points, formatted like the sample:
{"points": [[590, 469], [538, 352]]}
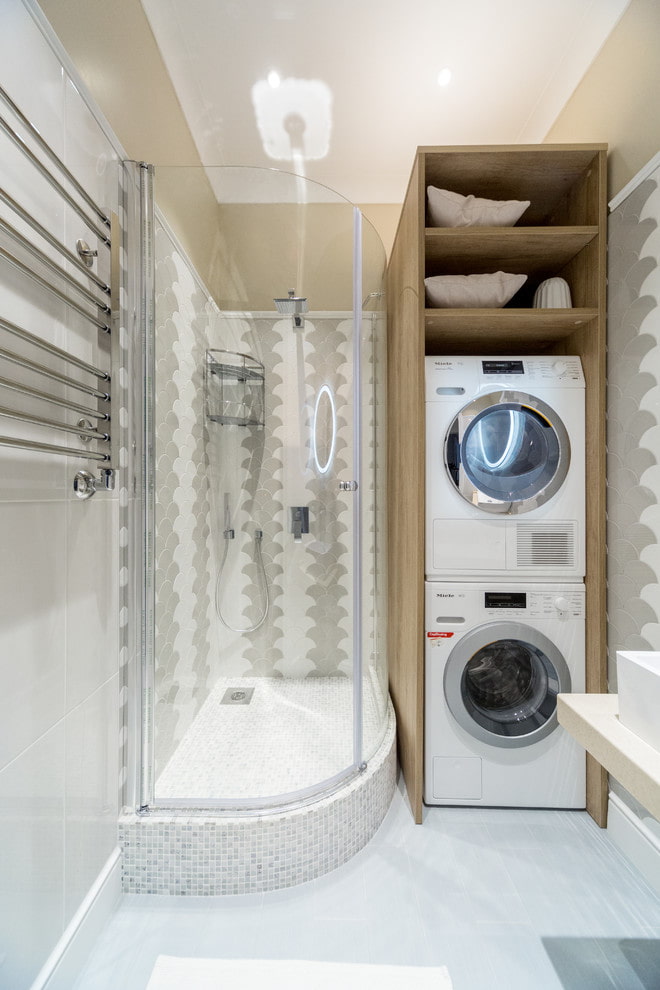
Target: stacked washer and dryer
{"points": [[505, 538]]}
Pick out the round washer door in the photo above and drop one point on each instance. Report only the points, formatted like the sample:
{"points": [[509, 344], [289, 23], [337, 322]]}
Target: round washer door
{"points": [[507, 452], [501, 684]]}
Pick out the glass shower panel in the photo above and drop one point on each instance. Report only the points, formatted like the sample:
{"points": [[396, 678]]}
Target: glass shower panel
{"points": [[256, 507]]}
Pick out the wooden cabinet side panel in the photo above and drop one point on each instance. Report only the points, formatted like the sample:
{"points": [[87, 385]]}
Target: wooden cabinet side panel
{"points": [[587, 277], [596, 632], [581, 204], [583, 276], [405, 380]]}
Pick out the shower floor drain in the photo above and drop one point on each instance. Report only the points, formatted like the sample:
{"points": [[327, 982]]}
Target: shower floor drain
{"points": [[237, 696]]}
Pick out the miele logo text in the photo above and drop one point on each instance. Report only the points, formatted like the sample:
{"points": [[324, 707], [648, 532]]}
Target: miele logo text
{"points": [[442, 594]]}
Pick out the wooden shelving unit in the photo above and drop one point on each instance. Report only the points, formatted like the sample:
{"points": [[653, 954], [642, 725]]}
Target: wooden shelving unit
{"points": [[450, 331], [538, 252], [563, 232]]}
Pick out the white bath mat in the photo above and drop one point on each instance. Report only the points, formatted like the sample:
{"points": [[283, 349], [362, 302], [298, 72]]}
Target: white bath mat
{"points": [[174, 973]]}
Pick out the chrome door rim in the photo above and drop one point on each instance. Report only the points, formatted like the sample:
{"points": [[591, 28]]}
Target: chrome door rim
{"points": [[461, 423], [464, 651]]}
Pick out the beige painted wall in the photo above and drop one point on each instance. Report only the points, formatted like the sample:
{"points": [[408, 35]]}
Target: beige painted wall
{"points": [[270, 248], [384, 217], [617, 100]]}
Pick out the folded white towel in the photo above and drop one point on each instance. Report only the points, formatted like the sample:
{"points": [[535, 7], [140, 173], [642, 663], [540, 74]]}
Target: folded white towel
{"points": [[175, 973]]}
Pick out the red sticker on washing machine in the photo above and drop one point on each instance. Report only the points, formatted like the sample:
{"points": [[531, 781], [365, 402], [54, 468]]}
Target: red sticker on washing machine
{"points": [[439, 635]]}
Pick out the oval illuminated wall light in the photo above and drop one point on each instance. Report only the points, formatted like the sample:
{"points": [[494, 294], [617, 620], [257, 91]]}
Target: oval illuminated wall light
{"points": [[323, 465]]}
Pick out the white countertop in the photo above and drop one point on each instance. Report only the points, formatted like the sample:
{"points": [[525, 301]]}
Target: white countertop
{"points": [[593, 719]]}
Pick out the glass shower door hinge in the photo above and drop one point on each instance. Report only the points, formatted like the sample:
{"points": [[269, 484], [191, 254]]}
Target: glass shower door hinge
{"points": [[348, 486]]}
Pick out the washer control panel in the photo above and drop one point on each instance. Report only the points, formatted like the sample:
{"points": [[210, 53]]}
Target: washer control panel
{"points": [[451, 609], [451, 377], [501, 603], [542, 370], [546, 370]]}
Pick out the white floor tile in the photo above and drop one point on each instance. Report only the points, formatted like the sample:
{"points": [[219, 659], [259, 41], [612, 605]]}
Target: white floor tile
{"points": [[513, 959], [332, 941], [506, 899], [342, 894]]}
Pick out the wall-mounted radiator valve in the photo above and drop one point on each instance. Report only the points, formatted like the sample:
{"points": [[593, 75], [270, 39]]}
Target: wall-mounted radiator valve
{"points": [[85, 484]]}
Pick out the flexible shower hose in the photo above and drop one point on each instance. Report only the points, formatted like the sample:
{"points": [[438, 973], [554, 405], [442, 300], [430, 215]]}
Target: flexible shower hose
{"points": [[258, 538]]}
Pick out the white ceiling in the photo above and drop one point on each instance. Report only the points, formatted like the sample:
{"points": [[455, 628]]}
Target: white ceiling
{"points": [[359, 89]]}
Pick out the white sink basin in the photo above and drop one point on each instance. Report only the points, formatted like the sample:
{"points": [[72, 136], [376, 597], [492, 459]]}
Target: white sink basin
{"points": [[638, 678]]}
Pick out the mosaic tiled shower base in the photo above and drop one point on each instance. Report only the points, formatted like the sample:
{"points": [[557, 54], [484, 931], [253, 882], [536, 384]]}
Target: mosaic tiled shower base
{"points": [[199, 854], [293, 733]]}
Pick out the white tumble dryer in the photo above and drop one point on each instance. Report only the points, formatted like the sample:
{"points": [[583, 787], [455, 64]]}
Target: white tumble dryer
{"points": [[505, 468], [497, 655]]}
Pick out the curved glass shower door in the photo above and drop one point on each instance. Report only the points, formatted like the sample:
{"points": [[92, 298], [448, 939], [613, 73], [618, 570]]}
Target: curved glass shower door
{"points": [[258, 672]]}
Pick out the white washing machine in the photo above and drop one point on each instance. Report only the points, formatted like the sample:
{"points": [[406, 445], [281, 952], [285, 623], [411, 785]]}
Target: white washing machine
{"points": [[497, 655], [505, 475]]}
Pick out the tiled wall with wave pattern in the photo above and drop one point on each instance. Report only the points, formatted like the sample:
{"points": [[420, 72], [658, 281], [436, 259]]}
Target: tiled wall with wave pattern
{"points": [[633, 408], [633, 466]]}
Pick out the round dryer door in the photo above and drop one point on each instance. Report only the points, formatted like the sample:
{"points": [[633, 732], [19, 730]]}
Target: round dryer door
{"points": [[507, 452], [501, 684]]}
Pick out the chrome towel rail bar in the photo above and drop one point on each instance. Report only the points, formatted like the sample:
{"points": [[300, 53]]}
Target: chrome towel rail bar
{"points": [[70, 276], [51, 288], [50, 448], [36, 393], [39, 342], [72, 258], [57, 161], [32, 158], [53, 424], [52, 266], [55, 376]]}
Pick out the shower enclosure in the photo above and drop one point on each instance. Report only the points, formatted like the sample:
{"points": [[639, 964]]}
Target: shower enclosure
{"points": [[264, 679]]}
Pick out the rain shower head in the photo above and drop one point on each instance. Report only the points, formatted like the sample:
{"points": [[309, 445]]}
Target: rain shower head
{"points": [[291, 305]]}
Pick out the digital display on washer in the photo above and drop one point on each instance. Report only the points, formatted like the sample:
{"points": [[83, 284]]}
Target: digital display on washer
{"points": [[505, 599], [502, 368]]}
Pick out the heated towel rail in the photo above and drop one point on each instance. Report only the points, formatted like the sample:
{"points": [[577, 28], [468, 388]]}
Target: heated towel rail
{"points": [[45, 390]]}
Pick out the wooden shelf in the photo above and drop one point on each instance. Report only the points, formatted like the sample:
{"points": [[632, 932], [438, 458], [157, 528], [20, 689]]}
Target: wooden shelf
{"points": [[538, 252], [546, 175], [450, 331]]}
